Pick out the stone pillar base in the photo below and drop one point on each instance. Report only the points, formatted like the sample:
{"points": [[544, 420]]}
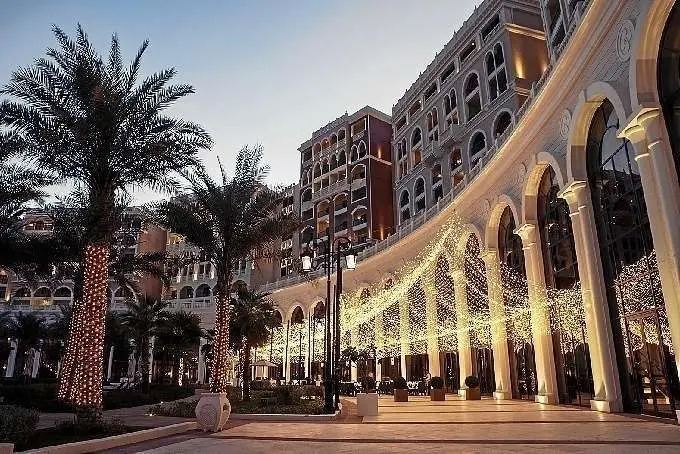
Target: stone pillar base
{"points": [[606, 406], [548, 399], [502, 395], [462, 392]]}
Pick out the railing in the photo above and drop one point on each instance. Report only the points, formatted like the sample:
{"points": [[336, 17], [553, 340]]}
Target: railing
{"points": [[324, 192]]}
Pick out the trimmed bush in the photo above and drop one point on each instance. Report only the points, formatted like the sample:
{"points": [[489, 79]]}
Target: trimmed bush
{"points": [[471, 381], [400, 383], [369, 384], [17, 424], [180, 409], [123, 398], [437, 382], [259, 385], [385, 387], [39, 396]]}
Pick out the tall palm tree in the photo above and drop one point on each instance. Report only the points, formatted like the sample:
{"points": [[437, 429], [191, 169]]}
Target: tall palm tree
{"points": [[142, 319], [229, 220], [252, 316], [179, 334], [85, 120]]}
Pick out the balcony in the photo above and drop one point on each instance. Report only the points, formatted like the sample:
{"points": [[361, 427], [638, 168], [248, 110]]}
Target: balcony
{"points": [[451, 136], [328, 190], [432, 152]]}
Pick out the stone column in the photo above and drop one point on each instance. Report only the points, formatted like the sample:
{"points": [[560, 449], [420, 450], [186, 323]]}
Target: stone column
{"points": [[286, 355], [654, 157], [431, 322], [308, 352], [598, 324], [540, 314], [36, 363], [499, 333], [462, 327], [201, 361], [404, 333], [109, 369], [11, 360]]}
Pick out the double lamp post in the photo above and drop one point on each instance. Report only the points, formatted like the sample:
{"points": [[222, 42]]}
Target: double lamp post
{"points": [[321, 252]]}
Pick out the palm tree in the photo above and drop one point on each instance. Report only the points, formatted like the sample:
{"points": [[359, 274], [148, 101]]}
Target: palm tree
{"points": [[142, 320], [28, 330], [252, 316], [85, 120], [116, 336], [178, 335], [229, 220]]}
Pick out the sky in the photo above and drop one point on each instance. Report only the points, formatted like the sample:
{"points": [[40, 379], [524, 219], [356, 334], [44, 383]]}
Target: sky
{"points": [[265, 72]]}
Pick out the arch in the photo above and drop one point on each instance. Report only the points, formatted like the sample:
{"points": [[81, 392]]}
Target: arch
{"points": [[342, 158], [317, 170], [493, 224], [325, 144], [293, 308], [334, 139], [306, 195], [42, 292], [472, 95], [544, 161], [63, 292], [416, 137], [358, 172], [22, 292], [185, 292], [203, 291], [589, 100], [419, 187], [477, 143], [404, 198], [360, 207], [646, 40], [337, 196], [334, 162], [325, 167], [467, 231], [362, 149], [354, 153], [502, 123], [342, 134]]}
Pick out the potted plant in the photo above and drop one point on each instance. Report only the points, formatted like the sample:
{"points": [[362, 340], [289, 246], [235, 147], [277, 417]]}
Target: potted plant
{"points": [[437, 393], [400, 390], [472, 392], [367, 402]]}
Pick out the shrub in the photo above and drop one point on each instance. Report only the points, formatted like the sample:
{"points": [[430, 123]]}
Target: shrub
{"points": [[385, 387], [400, 383], [124, 398], [310, 392], [369, 384], [17, 424], [258, 385], [39, 396], [437, 382], [471, 381], [180, 409]]}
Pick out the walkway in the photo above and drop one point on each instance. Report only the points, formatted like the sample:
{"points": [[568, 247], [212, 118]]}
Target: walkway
{"points": [[442, 427]]}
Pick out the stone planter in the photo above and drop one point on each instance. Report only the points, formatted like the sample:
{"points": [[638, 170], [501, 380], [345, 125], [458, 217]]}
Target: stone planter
{"points": [[367, 404], [473, 394], [437, 395], [212, 411], [401, 395]]}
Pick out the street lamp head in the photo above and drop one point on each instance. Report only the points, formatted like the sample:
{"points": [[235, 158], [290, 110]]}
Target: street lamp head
{"points": [[306, 258], [350, 259]]}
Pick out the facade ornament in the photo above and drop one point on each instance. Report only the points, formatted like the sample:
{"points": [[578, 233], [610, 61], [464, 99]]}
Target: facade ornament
{"points": [[565, 124], [624, 40]]}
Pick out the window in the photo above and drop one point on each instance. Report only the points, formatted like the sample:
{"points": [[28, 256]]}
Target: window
{"points": [[402, 158], [416, 141], [359, 194], [490, 27], [473, 101], [334, 139], [334, 162], [495, 69], [400, 123], [317, 170], [359, 127], [432, 125], [362, 149], [469, 49], [456, 159], [415, 108], [503, 122], [419, 191], [325, 167], [341, 134], [342, 158], [451, 108], [431, 91], [307, 195], [437, 188], [477, 147], [306, 155], [448, 71], [354, 153], [404, 206], [358, 173]]}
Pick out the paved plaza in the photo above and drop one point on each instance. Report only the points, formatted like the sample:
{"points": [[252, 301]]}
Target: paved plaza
{"points": [[438, 427]]}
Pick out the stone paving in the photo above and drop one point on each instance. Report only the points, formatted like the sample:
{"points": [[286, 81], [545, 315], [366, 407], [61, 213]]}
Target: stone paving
{"points": [[440, 427]]}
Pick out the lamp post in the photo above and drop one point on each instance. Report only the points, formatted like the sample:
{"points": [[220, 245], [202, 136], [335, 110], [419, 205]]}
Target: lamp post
{"points": [[333, 252]]}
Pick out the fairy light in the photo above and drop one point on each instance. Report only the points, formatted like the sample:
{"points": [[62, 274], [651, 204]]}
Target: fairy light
{"points": [[83, 367], [219, 372]]}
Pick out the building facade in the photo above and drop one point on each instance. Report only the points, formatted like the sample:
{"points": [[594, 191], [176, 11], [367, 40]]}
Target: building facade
{"points": [[551, 273]]}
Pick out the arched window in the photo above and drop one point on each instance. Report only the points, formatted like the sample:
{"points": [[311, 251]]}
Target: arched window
{"points": [[437, 189], [325, 167], [324, 144], [62, 292], [402, 157], [416, 142], [317, 170], [447, 105], [362, 149], [405, 205], [307, 235], [629, 263], [473, 100], [341, 134], [477, 147], [334, 162], [360, 217], [358, 173], [669, 81], [495, 70], [334, 139], [203, 291], [432, 125], [342, 158], [316, 149], [419, 191], [22, 292], [503, 122], [354, 153], [307, 195], [451, 108]]}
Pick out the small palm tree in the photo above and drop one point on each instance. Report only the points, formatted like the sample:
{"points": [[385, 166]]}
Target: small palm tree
{"points": [[252, 316], [84, 119], [178, 335], [229, 220], [28, 330], [116, 336], [142, 319]]}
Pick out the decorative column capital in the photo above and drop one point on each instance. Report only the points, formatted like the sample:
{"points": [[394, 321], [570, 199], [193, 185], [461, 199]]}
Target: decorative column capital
{"points": [[646, 124], [528, 232], [575, 193], [490, 257]]}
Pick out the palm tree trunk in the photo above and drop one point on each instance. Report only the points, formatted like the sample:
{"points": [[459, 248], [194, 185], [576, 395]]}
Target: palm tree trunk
{"points": [[143, 364], [218, 371], [246, 371], [81, 381]]}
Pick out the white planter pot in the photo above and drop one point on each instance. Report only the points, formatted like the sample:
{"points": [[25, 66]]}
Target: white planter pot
{"points": [[367, 404], [212, 411]]}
